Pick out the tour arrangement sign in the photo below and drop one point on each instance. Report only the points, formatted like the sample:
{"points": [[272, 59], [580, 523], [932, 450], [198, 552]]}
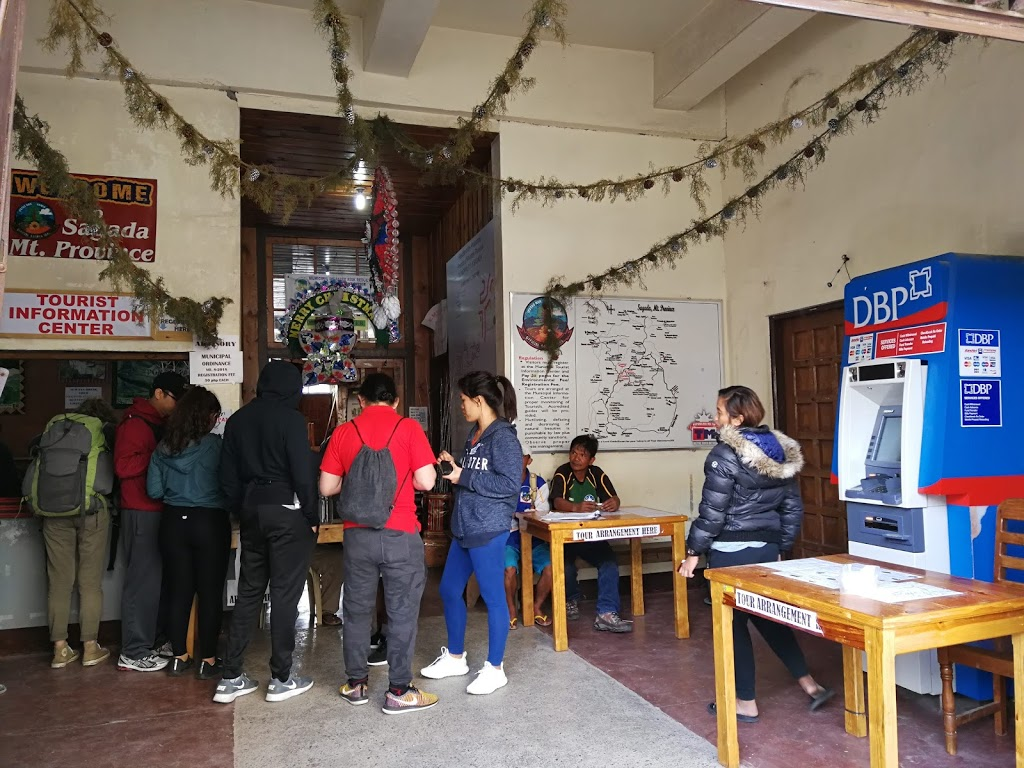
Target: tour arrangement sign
{"points": [[319, 326], [41, 226]]}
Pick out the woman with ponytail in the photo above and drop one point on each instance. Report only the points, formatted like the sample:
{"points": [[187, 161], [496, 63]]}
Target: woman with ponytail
{"points": [[486, 480]]}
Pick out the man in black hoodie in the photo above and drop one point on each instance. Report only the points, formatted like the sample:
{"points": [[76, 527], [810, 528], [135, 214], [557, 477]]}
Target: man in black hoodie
{"points": [[266, 478]]}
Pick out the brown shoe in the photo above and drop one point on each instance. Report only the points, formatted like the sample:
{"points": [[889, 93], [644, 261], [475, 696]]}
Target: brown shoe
{"points": [[94, 654], [63, 656]]}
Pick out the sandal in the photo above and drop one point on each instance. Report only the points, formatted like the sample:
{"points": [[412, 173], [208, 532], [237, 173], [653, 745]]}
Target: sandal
{"points": [[331, 620], [820, 698], [513, 623], [542, 620], [713, 710]]}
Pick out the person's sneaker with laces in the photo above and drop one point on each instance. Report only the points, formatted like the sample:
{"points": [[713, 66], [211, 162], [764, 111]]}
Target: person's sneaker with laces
{"points": [[165, 651], [375, 640], [63, 656], [612, 622], [208, 671], [572, 610], [378, 656], [94, 654], [413, 700], [229, 689], [145, 664], [446, 665], [179, 667], [488, 680], [293, 686], [355, 693]]}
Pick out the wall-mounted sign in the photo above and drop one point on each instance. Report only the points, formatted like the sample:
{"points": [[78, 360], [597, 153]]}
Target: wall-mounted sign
{"points": [[40, 226], [219, 364]]}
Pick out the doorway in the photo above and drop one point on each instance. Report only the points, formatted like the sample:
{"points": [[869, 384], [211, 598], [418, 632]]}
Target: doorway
{"points": [[807, 348]]}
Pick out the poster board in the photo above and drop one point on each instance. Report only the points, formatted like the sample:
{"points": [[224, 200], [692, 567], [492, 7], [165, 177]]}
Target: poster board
{"points": [[637, 373], [133, 378]]}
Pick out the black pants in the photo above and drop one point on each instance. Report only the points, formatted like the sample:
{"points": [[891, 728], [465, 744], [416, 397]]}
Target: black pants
{"points": [[396, 558], [276, 547], [779, 637], [195, 543]]}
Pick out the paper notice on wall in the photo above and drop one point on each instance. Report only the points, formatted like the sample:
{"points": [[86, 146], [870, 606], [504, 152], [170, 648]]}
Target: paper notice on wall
{"points": [[437, 321], [219, 364], [421, 415], [218, 428], [75, 396]]}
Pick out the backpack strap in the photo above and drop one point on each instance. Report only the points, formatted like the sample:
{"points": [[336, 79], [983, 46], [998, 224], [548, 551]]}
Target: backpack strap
{"points": [[387, 446], [388, 443], [360, 434]]}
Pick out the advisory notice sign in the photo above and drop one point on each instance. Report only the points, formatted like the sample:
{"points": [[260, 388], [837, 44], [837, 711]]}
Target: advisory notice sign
{"points": [[219, 364], [40, 226]]}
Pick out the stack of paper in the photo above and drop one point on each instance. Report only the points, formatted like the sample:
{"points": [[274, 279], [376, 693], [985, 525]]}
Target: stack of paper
{"points": [[568, 517]]}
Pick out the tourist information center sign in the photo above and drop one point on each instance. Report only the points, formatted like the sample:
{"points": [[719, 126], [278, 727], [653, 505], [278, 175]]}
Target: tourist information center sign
{"points": [[79, 315]]}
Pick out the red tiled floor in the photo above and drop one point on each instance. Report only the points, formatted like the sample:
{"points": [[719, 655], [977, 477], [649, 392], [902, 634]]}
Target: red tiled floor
{"points": [[678, 677]]}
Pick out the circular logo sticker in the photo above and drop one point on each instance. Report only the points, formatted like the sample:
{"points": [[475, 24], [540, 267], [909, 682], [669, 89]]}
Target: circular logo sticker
{"points": [[35, 220], [589, 497]]}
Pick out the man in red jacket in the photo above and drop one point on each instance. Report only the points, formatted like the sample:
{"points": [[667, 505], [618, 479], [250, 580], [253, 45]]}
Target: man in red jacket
{"points": [[137, 436]]}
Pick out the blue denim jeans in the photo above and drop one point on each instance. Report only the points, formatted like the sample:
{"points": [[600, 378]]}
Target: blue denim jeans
{"points": [[599, 554]]}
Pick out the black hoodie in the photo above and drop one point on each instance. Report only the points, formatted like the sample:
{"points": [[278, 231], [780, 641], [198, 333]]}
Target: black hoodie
{"points": [[265, 443]]}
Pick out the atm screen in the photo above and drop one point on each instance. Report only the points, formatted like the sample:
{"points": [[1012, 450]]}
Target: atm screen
{"points": [[888, 450]]}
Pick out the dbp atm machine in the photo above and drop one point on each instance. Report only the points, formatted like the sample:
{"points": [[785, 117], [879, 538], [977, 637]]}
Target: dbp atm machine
{"points": [[930, 425]]}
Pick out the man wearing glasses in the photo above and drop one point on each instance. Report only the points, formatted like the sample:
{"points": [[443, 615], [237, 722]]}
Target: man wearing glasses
{"points": [[137, 436]]}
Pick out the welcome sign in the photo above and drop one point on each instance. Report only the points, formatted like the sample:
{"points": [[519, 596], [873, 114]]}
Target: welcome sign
{"points": [[40, 226]]}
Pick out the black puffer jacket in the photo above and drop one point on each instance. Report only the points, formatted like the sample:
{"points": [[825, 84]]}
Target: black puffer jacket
{"points": [[750, 490]]}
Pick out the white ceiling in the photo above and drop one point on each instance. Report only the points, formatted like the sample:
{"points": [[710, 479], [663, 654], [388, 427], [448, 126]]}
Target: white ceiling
{"points": [[635, 25]]}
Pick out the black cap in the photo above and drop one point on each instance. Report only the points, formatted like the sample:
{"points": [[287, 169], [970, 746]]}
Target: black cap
{"points": [[170, 382]]}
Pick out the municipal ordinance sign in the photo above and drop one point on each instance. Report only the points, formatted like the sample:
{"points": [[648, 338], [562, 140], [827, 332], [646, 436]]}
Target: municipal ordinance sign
{"points": [[780, 612]]}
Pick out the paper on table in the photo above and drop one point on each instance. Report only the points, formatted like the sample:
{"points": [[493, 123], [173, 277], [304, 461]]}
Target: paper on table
{"points": [[568, 517], [823, 573], [901, 593]]}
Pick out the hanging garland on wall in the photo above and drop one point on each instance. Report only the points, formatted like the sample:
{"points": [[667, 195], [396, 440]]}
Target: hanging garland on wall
{"points": [[930, 54], [30, 143], [383, 256]]}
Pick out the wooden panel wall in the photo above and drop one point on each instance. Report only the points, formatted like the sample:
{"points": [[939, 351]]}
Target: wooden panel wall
{"points": [[250, 316]]}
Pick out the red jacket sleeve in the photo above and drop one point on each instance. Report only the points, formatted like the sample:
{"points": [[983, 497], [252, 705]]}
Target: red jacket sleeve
{"points": [[133, 448]]}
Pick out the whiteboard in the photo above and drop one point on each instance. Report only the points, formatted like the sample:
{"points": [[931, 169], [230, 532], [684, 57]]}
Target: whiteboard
{"points": [[637, 373]]}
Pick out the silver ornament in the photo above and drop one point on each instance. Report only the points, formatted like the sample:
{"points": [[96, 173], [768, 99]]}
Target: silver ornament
{"points": [[254, 174], [129, 73], [350, 115], [429, 159], [797, 123], [711, 163], [728, 213]]}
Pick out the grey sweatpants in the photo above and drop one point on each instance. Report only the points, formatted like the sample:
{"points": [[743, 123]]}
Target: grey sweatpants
{"points": [[140, 596], [397, 558]]}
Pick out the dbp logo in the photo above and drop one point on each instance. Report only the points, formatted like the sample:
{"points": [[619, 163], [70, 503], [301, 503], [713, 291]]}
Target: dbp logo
{"points": [[972, 388], [884, 306]]}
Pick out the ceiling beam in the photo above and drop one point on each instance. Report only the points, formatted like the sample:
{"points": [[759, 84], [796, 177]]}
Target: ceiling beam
{"points": [[393, 32], [931, 14], [722, 39]]}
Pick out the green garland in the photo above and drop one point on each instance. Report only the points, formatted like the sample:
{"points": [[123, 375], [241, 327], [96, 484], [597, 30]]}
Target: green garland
{"points": [[30, 143], [926, 52]]}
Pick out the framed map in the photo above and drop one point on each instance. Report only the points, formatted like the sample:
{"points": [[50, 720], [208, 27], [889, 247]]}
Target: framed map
{"points": [[133, 378]]}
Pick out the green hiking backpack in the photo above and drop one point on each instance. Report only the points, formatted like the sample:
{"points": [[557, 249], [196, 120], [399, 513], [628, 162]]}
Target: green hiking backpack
{"points": [[72, 469]]}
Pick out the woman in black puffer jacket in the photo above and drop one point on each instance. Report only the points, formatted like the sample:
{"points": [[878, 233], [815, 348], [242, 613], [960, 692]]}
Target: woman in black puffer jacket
{"points": [[750, 511]]}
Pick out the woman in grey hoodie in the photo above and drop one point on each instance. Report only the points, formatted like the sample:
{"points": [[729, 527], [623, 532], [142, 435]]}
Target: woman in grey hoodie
{"points": [[195, 531], [486, 481]]}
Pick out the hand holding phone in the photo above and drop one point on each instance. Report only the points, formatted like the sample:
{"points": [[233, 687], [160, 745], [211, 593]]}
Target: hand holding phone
{"points": [[446, 468]]}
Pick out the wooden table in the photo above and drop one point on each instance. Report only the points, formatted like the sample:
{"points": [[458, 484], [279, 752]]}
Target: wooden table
{"points": [[980, 611], [634, 523]]}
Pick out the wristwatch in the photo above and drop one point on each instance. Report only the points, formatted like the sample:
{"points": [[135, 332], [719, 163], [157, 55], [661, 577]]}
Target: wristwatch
{"points": [[691, 553]]}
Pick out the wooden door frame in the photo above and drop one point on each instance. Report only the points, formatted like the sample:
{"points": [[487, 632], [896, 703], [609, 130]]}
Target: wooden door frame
{"points": [[775, 353]]}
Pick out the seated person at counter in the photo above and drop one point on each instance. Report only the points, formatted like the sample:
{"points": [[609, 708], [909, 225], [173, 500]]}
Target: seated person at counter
{"points": [[580, 486], [532, 495]]}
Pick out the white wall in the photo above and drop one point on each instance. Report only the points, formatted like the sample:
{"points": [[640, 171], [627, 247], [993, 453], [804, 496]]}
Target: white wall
{"points": [[940, 171], [576, 237]]}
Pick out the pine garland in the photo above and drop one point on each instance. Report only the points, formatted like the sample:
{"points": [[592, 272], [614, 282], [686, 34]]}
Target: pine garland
{"points": [[926, 53], [30, 143]]}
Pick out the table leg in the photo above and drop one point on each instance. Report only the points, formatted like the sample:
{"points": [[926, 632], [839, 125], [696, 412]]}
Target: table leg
{"points": [[682, 611], [1018, 696], [526, 578], [725, 679], [853, 683], [636, 576], [880, 647], [558, 593]]}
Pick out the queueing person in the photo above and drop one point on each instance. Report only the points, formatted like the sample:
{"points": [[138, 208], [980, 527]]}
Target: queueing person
{"points": [[137, 436], [486, 482], [195, 531], [750, 511], [386, 545], [266, 477]]}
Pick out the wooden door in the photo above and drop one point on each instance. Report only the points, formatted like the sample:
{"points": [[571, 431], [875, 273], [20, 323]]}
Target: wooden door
{"points": [[807, 352]]}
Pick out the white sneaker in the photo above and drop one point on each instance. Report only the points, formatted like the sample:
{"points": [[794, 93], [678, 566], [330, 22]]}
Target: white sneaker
{"points": [[446, 665], [151, 663], [488, 680]]}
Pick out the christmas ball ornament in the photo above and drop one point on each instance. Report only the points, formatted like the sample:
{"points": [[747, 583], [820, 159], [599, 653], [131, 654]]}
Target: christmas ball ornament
{"points": [[583, 192], [597, 282], [728, 213], [833, 125], [701, 229], [832, 101], [675, 246], [809, 152], [860, 105], [391, 307], [208, 150], [753, 192], [526, 48], [479, 113], [558, 194], [782, 174], [652, 257], [529, 190], [350, 115], [105, 39], [254, 174], [677, 176], [903, 70], [519, 62], [756, 145], [129, 73], [511, 187], [544, 20], [339, 56], [797, 123], [711, 163], [648, 183], [446, 152], [429, 159]]}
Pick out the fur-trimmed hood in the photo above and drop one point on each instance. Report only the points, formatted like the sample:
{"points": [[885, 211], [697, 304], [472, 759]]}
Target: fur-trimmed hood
{"points": [[747, 443]]}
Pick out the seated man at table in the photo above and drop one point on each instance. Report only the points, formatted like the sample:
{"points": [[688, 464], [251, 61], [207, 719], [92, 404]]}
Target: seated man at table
{"points": [[532, 495], [580, 486]]}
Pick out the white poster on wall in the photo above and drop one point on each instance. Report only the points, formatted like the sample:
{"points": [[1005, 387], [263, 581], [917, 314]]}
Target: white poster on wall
{"points": [[75, 396], [219, 364], [472, 322]]}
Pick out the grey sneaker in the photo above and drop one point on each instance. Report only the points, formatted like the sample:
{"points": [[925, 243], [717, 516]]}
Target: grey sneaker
{"points": [[572, 610], [165, 651], [612, 622], [145, 664], [378, 656], [229, 689], [293, 686]]}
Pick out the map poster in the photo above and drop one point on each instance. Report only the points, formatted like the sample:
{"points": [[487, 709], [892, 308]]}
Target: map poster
{"points": [[631, 372]]}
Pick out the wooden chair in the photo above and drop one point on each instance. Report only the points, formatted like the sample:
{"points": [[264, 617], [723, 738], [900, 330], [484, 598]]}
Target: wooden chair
{"points": [[998, 660]]}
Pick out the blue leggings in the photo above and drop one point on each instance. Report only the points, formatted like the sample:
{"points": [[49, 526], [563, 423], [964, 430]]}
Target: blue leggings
{"points": [[488, 563]]}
